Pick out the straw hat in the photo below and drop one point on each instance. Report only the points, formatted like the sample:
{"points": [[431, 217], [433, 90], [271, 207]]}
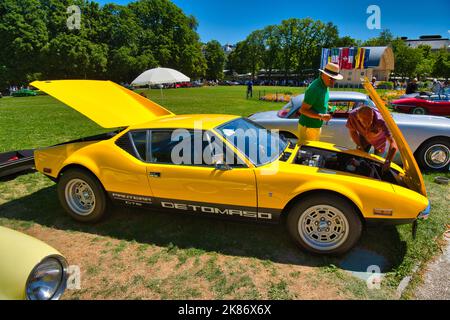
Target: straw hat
{"points": [[332, 70]]}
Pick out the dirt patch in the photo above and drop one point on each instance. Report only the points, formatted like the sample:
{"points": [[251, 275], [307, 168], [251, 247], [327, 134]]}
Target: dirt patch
{"points": [[118, 269]]}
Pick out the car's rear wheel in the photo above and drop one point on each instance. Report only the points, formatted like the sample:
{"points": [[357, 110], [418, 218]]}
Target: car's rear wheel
{"points": [[419, 110], [434, 155], [82, 195], [324, 224]]}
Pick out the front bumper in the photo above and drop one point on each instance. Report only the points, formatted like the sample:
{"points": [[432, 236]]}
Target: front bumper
{"points": [[425, 213], [383, 221]]}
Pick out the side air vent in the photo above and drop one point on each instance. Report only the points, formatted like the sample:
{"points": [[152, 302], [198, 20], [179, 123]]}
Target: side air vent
{"points": [[124, 142]]}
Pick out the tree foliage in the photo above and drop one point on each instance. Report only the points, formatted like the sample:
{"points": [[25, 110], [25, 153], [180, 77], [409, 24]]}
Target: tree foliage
{"points": [[441, 67], [114, 42], [293, 46], [215, 60]]}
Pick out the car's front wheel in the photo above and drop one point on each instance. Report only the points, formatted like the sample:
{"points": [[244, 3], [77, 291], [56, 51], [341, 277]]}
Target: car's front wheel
{"points": [[82, 195], [324, 224], [434, 155]]}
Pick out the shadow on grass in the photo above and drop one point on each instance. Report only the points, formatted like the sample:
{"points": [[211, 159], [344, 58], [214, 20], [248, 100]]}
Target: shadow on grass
{"points": [[166, 229], [12, 177]]}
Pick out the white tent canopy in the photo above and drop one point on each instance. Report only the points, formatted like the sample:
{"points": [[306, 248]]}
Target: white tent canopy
{"points": [[160, 76]]}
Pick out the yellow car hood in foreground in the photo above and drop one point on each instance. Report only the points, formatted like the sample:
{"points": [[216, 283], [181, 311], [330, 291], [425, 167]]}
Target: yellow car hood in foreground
{"points": [[413, 175], [104, 102]]}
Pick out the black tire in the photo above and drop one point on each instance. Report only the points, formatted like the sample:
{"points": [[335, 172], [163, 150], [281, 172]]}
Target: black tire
{"points": [[301, 211], [98, 209], [423, 154], [418, 110]]}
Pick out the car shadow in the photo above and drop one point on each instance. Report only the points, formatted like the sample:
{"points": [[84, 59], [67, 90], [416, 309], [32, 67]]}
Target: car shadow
{"points": [[13, 176], [168, 229]]}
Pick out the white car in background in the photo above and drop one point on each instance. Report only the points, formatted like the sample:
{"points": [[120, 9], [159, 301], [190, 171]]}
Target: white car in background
{"points": [[428, 136]]}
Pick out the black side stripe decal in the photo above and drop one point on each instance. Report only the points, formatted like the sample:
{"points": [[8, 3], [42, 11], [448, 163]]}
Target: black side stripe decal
{"points": [[260, 214]]}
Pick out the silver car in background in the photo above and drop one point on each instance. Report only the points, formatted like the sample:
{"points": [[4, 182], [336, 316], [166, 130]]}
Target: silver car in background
{"points": [[427, 136]]}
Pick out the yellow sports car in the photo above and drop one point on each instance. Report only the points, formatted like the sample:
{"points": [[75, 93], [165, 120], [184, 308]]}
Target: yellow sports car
{"points": [[224, 166], [29, 268]]}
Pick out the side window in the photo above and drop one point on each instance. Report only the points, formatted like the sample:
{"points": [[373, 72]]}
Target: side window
{"points": [[216, 150], [161, 146], [295, 109], [341, 106], [165, 151], [283, 113], [139, 139]]}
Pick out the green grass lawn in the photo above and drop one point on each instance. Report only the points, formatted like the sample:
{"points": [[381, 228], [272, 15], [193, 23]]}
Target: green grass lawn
{"points": [[134, 254], [42, 121]]}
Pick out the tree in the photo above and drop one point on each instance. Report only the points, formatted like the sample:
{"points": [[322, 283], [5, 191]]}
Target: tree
{"points": [[253, 51], [237, 60], [441, 67], [215, 60], [169, 34], [114, 42], [385, 38], [347, 41], [288, 41], [271, 55], [406, 59], [23, 33], [425, 66]]}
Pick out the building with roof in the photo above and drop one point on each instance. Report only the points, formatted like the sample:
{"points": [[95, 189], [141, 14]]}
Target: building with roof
{"points": [[379, 65], [436, 42], [228, 48]]}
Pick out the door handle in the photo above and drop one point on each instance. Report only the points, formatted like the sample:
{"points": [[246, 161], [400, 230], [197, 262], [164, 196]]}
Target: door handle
{"points": [[155, 174]]}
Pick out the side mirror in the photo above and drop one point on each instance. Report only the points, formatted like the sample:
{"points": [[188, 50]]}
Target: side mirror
{"points": [[221, 166]]}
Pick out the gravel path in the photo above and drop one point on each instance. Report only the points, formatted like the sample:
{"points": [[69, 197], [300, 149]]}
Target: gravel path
{"points": [[436, 284]]}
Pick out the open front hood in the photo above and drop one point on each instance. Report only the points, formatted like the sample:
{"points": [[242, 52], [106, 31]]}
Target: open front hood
{"points": [[413, 176], [104, 102]]}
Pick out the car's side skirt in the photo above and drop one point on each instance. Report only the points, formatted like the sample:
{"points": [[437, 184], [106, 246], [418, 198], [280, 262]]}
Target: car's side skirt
{"points": [[268, 215]]}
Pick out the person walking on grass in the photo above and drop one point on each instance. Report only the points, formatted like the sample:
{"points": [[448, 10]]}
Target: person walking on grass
{"points": [[250, 89], [314, 110]]}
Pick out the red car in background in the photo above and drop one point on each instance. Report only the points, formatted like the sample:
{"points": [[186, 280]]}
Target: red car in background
{"points": [[183, 85], [438, 105]]}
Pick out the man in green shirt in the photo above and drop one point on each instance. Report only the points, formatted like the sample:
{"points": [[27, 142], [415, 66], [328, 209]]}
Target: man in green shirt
{"points": [[314, 110]]}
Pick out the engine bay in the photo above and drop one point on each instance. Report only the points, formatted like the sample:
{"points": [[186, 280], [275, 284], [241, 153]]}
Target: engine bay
{"points": [[339, 161]]}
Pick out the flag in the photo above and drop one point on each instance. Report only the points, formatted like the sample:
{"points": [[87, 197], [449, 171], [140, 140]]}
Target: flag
{"points": [[357, 58], [322, 58], [325, 57], [351, 57], [366, 59], [340, 57], [335, 55], [361, 59], [345, 59]]}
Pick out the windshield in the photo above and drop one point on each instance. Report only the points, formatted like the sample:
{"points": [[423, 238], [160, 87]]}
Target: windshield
{"points": [[370, 103], [259, 145], [283, 113]]}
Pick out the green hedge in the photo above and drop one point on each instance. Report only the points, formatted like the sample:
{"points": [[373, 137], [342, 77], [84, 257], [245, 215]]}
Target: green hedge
{"points": [[385, 85]]}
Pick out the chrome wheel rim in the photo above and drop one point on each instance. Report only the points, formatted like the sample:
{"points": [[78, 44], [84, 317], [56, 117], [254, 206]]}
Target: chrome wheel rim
{"points": [[323, 227], [437, 156], [419, 111], [80, 197]]}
